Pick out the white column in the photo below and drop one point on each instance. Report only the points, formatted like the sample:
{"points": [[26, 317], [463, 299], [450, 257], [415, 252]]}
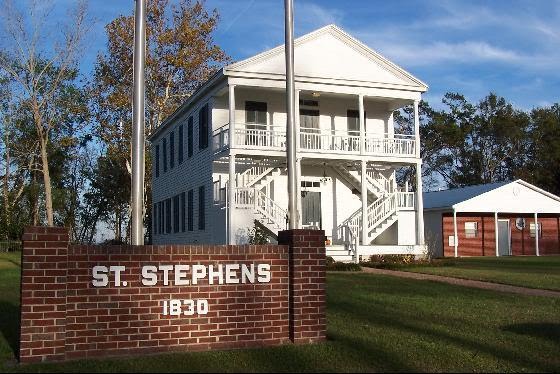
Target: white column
{"points": [[455, 237], [536, 236], [298, 161], [416, 129], [231, 194], [298, 191], [231, 116], [496, 233], [362, 119], [364, 204], [419, 206]]}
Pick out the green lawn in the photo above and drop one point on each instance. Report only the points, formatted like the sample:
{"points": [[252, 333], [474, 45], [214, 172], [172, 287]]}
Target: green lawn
{"points": [[533, 272], [375, 323]]}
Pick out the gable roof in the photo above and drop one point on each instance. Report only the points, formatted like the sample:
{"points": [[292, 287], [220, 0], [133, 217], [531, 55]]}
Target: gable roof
{"points": [[448, 198], [329, 52], [512, 197]]}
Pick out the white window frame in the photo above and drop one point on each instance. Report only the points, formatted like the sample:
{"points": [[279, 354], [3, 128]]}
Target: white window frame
{"points": [[471, 232], [532, 229]]}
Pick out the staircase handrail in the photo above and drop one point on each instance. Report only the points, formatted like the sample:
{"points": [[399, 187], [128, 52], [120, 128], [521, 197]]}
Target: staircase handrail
{"points": [[381, 209], [270, 209]]}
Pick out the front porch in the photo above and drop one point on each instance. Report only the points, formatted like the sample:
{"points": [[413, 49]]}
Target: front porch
{"points": [[357, 203]]}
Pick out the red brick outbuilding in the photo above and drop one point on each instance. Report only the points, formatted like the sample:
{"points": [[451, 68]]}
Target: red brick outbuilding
{"points": [[464, 221]]}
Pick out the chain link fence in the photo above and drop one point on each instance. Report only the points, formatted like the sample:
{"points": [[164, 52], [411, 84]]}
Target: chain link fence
{"points": [[10, 245]]}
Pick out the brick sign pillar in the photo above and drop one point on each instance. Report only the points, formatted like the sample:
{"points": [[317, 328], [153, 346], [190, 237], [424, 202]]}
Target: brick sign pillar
{"points": [[307, 284], [43, 294], [74, 305]]}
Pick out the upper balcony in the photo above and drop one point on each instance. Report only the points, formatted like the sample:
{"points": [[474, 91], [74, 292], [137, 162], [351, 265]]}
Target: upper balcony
{"points": [[312, 140]]}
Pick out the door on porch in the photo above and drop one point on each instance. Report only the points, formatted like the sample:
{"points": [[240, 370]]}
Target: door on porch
{"points": [[309, 127], [311, 209], [503, 238], [255, 122]]}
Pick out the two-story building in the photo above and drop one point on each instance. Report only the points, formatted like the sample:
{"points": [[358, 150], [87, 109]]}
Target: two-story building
{"points": [[220, 159]]}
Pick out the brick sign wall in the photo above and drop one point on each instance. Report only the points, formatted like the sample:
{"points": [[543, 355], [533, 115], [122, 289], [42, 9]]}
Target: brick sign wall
{"points": [[92, 301]]}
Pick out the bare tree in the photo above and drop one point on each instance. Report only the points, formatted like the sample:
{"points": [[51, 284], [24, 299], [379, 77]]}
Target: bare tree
{"points": [[40, 65]]}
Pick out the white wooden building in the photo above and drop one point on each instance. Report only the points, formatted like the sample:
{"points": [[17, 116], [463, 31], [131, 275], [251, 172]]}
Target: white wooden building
{"points": [[219, 162]]}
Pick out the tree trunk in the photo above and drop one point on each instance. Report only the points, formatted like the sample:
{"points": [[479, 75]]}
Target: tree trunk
{"points": [[47, 182], [43, 142], [118, 225], [35, 199], [6, 189]]}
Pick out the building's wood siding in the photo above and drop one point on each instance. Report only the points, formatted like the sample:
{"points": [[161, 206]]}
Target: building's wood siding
{"points": [[484, 243]]}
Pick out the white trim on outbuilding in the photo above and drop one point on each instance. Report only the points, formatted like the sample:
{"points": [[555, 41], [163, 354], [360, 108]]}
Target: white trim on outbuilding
{"points": [[497, 198]]}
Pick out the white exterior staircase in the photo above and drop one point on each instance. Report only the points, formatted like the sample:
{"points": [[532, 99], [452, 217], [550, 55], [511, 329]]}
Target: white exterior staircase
{"points": [[249, 195], [377, 184]]}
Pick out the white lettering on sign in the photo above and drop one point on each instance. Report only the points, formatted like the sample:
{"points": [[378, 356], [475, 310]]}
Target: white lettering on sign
{"points": [[189, 307], [101, 276], [184, 275]]}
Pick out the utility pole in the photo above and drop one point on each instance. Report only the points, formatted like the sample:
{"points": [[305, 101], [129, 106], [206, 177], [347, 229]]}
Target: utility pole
{"points": [[290, 114], [138, 141]]}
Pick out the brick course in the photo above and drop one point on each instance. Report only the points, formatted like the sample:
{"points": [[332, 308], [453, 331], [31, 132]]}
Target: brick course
{"points": [[63, 316]]}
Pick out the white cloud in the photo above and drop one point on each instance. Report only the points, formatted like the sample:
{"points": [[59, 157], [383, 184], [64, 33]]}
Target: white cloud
{"points": [[316, 15], [441, 52]]}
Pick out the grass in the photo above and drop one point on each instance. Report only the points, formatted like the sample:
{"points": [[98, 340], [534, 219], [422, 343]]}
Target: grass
{"points": [[533, 272], [375, 323]]}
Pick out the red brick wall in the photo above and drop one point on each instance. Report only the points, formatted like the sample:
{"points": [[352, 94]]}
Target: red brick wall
{"points": [[484, 243], [307, 284], [63, 316]]}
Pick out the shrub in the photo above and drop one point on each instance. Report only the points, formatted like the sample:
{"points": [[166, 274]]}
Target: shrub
{"points": [[391, 261], [343, 266], [257, 235]]}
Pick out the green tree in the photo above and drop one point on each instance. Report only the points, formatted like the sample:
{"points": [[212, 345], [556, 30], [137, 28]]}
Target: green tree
{"points": [[543, 165], [42, 79], [180, 56], [475, 143]]}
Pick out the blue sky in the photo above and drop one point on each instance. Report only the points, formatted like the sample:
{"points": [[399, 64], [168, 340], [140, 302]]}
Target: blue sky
{"points": [[472, 47]]}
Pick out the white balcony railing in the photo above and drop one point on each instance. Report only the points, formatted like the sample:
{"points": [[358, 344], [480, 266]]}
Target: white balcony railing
{"points": [[390, 144], [405, 200], [258, 136], [220, 138], [329, 141]]}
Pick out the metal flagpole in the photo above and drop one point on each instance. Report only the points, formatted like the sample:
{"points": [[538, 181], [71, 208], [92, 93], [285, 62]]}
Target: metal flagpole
{"points": [[290, 113], [137, 189]]}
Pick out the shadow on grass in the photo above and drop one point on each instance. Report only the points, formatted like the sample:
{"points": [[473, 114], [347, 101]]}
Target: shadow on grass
{"points": [[435, 327], [549, 331], [9, 325]]}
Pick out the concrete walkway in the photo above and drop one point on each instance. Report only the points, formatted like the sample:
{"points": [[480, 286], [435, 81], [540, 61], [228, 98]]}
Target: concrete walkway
{"points": [[465, 282]]}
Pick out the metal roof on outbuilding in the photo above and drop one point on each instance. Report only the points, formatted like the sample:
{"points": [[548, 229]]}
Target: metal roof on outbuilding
{"points": [[448, 198], [512, 196]]}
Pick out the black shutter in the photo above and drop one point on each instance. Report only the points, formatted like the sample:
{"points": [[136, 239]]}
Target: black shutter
{"points": [[168, 216], [154, 219], [156, 161], [183, 212], [172, 150], [181, 139], [203, 127], [190, 212], [190, 141], [201, 208], [164, 155], [176, 213]]}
